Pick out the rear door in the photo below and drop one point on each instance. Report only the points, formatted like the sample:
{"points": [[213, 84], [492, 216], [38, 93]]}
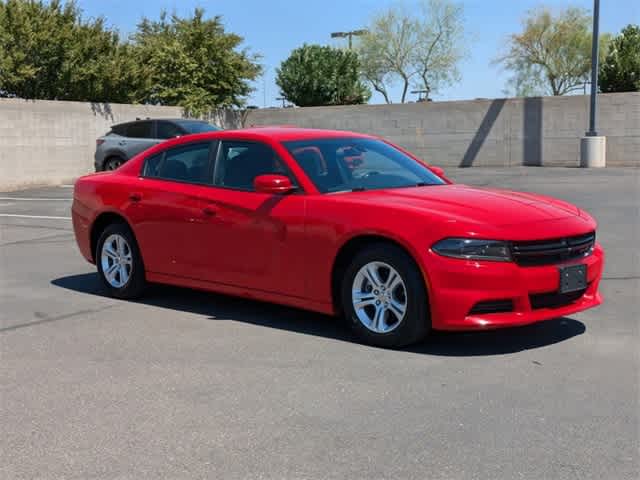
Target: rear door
{"points": [[138, 136], [168, 213]]}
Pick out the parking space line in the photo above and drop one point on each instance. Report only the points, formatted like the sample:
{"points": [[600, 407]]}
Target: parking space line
{"points": [[36, 199], [42, 217]]}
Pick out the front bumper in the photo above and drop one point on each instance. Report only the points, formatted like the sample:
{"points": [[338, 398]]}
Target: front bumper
{"points": [[456, 286]]}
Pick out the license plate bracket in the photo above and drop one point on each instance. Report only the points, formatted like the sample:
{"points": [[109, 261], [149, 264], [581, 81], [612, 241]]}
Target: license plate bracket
{"points": [[573, 278]]}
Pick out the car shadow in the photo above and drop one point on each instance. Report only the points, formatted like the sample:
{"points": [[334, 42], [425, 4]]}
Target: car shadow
{"points": [[221, 307]]}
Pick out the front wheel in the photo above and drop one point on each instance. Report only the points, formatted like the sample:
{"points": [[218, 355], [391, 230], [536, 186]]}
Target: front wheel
{"points": [[384, 298], [119, 262]]}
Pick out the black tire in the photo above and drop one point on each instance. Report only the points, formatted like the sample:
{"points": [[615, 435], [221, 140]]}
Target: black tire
{"points": [[136, 283], [112, 163], [416, 323]]}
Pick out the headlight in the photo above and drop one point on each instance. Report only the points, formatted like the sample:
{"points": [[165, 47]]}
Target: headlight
{"points": [[471, 249]]}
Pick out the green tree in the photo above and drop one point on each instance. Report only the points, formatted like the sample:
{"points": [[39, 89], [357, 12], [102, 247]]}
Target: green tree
{"points": [[552, 55], [316, 75], [192, 62], [420, 48], [47, 51], [620, 71]]}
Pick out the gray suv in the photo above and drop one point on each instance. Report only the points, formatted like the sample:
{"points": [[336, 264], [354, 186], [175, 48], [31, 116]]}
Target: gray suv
{"points": [[125, 140]]}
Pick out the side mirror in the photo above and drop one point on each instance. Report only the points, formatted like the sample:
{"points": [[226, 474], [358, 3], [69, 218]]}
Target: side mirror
{"points": [[273, 184], [437, 170]]}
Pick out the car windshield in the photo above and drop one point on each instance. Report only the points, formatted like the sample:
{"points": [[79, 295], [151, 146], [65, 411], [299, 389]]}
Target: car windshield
{"points": [[353, 164], [198, 127]]}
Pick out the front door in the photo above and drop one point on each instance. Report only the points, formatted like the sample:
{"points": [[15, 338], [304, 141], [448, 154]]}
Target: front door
{"points": [[253, 239]]}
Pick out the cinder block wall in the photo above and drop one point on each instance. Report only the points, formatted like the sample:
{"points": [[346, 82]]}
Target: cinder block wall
{"points": [[497, 133], [49, 142]]}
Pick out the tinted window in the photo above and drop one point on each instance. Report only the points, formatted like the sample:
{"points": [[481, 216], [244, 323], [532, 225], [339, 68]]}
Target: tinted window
{"points": [[139, 130], [197, 127], [239, 163], [340, 164], [152, 165], [119, 130], [168, 130], [189, 163]]}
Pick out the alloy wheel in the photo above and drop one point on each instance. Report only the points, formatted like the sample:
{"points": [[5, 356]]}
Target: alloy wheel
{"points": [[117, 261], [379, 297]]}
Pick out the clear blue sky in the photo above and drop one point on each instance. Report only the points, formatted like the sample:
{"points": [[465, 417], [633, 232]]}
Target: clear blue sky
{"points": [[272, 28]]}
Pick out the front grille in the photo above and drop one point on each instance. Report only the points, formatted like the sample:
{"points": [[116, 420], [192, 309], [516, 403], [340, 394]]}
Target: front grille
{"points": [[554, 299], [548, 252], [492, 306]]}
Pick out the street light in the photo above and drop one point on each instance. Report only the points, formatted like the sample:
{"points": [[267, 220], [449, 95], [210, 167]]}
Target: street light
{"points": [[424, 92], [350, 35]]}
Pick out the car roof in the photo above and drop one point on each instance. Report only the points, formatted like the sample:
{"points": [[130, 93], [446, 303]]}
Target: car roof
{"points": [[285, 134], [182, 120]]}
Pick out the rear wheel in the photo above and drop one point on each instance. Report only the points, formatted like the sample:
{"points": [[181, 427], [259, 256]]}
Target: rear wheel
{"points": [[384, 298], [119, 262], [113, 163]]}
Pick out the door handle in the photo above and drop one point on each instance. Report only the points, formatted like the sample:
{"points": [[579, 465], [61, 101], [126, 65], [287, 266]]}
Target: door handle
{"points": [[209, 211], [122, 142], [135, 197]]}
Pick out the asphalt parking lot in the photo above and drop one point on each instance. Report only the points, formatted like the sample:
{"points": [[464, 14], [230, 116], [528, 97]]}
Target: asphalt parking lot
{"points": [[184, 384]]}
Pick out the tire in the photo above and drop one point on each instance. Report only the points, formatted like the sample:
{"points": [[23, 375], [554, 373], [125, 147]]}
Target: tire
{"points": [[117, 249], [405, 319], [112, 163]]}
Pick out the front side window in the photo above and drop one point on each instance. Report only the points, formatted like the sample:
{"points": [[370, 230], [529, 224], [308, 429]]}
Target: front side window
{"points": [[139, 130], [188, 163], [239, 163], [346, 164], [168, 130]]}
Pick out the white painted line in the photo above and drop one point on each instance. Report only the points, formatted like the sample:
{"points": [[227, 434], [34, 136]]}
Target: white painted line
{"points": [[44, 217], [67, 186], [25, 199]]}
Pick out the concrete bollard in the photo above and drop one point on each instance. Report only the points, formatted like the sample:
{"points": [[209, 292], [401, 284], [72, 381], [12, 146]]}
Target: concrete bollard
{"points": [[593, 152]]}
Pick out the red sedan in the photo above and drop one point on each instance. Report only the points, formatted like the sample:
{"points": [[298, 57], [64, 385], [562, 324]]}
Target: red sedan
{"points": [[285, 215]]}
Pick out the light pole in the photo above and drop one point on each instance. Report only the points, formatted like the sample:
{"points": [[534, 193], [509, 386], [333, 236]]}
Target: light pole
{"points": [[595, 43], [593, 148], [350, 35]]}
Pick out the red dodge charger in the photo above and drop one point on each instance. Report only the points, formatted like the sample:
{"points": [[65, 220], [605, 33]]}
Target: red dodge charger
{"points": [[287, 215]]}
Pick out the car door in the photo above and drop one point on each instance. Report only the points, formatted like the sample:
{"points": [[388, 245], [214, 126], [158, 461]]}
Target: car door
{"points": [[139, 136], [167, 214], [253, 239]]}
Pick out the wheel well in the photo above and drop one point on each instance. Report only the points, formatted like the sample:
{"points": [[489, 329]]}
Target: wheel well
{"points": [[346, 253], [100, 223], [112, 156]]}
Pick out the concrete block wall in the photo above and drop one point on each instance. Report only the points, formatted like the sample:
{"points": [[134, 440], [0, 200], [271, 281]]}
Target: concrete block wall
{"points": [[540, 131], [50, 142]]}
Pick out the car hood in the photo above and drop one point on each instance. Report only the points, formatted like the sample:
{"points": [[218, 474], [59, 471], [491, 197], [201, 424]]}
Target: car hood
{"points": [[474, 204]]}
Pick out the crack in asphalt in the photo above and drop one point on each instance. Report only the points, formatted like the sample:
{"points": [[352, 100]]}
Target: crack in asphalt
{"points": [[45, 239], [44, 318]]}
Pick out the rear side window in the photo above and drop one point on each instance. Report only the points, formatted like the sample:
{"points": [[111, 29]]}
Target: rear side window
{"points": [[188, 163], [152, 165], [139, 130], [119, 130]]}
